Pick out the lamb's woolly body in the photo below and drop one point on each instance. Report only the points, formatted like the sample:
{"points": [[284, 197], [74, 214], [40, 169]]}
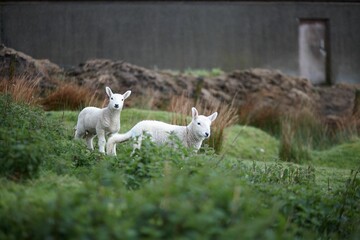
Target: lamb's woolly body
{"points": [[91, 118], [94, 121], [190, 136]]}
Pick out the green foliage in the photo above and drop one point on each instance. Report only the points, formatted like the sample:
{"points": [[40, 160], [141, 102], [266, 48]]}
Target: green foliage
{"points": [[247, 142], [25, 134], [203, 72], [148, 162], [345, 155], [169, 192]]}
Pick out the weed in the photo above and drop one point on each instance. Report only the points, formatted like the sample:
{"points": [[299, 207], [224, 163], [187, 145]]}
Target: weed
{"points": [[148, 162]]}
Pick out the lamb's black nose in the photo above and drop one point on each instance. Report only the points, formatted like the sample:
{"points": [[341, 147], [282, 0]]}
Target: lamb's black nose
{"points": [[206, 134], [116, 105]]}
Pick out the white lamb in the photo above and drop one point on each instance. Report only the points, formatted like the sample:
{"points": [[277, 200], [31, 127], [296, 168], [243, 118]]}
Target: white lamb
{"points": [[191, 136], [93, 121]]}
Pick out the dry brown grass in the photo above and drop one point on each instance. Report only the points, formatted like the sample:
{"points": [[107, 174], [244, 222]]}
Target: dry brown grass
{"points": [[180, 106], [22, 89], [295, 137], [146, 100], [71, 97], [266, 117]]}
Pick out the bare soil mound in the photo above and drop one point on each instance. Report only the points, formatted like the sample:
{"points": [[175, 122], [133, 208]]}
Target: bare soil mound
{"points": [[121, 76], [17, 64], [268, 87]]}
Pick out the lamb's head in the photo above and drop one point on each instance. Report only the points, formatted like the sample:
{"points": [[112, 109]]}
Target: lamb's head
{"points": [[200, 124], [116, 100]]}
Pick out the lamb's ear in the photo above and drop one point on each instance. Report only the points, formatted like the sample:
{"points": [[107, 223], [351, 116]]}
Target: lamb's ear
{"points": [[195, 113], [108, 91], [213, 116], [127, 94]]}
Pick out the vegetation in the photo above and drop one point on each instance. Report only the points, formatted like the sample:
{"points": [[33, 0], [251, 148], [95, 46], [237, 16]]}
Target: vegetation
{"points": [[52, 187]]}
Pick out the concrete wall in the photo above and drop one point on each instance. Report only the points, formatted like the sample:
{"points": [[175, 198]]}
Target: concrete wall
{"points": [[180, 35]]}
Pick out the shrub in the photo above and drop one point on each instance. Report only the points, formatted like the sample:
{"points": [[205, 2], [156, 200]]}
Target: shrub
{"points": [[148, 162], [24, 136]]}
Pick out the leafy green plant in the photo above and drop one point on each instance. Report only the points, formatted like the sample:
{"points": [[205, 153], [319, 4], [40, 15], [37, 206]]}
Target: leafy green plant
{"points": [[24, 136], [148, 162]]}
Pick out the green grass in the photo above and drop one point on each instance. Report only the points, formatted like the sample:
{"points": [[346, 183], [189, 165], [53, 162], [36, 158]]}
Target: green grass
{"points": [[247, 142], [345, 156], [166, 193]]}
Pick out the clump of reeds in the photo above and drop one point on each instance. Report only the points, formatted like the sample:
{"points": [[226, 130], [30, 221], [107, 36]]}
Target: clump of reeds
{"points": [[264, 116], [181, 105], [24, 89], [71, 97], [295, 141], [146, 100]]}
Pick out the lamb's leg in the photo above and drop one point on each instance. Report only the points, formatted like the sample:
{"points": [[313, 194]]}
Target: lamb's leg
{"points": [[102, 140], [137, 144], [113, 140], [89, 141], [111, 146]]}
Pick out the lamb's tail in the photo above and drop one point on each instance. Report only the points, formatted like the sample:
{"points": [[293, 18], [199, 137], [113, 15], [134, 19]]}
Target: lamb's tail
{"points": [[113, 140]]}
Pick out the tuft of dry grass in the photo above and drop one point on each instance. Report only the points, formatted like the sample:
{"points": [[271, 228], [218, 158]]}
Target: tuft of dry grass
{"points": [[24, 89], [146, 100], [72, 97], [181, 105], [294, 145], [266, 117]]}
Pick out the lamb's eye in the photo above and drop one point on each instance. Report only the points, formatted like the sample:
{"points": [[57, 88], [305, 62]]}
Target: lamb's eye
{"points": [[112, 98], [199, 123], [122, 99]]}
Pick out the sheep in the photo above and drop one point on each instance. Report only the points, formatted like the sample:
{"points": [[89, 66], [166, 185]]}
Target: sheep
{"points": [[191, 136], [93, 121]]}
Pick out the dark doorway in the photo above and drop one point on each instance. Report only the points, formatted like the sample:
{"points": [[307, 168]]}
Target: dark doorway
{"points": [[313, 50]]}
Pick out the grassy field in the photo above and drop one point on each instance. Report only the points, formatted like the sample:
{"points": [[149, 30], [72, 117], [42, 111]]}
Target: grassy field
{"points": [[52, 187]]}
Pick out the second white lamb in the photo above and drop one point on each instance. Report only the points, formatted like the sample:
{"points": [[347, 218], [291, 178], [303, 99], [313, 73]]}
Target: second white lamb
{"points": [[191, 136]]}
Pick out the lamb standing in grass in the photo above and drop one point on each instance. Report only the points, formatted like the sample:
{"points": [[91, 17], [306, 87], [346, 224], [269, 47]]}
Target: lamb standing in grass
{"points": [[93, 121], [191, 135]]}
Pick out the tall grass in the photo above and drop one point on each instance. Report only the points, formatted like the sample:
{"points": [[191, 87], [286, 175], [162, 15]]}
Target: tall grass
{"points": [[72, 97], [146, 100], [181, 105], [23, 89], [254, 112], [295, 140], [300, 128]]}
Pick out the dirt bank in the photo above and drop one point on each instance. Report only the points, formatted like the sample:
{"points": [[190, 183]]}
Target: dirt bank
{"points": [[268, 87]]}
